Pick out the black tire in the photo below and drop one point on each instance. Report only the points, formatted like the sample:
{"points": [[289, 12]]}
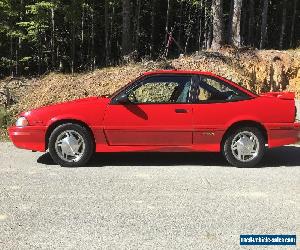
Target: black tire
{"points": [[229, 154], [88, 141]]}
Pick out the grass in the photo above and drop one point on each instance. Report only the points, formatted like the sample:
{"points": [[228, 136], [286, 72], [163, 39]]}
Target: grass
{"points": [[5, 120], [3, 134]]}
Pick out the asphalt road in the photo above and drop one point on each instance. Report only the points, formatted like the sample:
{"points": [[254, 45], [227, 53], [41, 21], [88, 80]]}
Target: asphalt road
{"points": [[146, 201]]}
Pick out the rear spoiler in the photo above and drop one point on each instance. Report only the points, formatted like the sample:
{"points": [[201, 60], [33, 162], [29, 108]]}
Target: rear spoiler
{"points": [[281, 95]]}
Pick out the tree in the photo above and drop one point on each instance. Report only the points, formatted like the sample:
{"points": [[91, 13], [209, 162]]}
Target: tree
{"points": [[38, 22], [283, 24], [126, 47], [293, 23], [264, 24], [7, 32], [137, 25], [250, 31], [167, 28], [235, 38], [53, 56], [106, 34], [218, 27], [77, 35], [152, 31], [200, 25]]}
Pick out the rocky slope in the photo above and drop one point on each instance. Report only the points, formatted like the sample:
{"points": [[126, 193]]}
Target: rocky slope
{"points": [[260, 71]]}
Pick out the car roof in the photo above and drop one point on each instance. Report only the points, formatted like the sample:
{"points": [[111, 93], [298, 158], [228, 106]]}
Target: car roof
{"points": [[175, 71]]}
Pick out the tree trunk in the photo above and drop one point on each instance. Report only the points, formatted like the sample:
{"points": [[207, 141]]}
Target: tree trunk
{"points": [[188, 30], [228, 36], [200, 27], [251, 23], [52, 39], [283, 24], [19, 43], [72, 46], [167, 28], [137, 31], [210, 33], [40, 53], [82, 37], [11, 56], [17, 58], [235, 38], [106, 24], [152, 38], [244, 22], [264, 24], [93, 61], [217, 23], [206, 24], [52, 42], [126, 48], [112, 59], [180, 22], [293, 23]]}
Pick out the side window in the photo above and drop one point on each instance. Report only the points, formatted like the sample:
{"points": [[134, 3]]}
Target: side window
{"points": [[161, 89], [214, 90]]}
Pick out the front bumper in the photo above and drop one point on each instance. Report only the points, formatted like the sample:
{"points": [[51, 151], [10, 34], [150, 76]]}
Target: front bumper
{"points": [[283, 134], [29, 137]]}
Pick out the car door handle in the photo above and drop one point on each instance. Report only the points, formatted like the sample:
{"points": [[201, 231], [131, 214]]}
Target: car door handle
{"points": [[181, 111]]}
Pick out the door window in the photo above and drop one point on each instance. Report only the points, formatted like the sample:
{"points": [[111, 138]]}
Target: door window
{"points": [[161, 89]]}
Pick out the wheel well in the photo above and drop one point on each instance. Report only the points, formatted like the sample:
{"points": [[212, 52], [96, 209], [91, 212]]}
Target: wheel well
{"points": [[246, 124], [60, 122]]}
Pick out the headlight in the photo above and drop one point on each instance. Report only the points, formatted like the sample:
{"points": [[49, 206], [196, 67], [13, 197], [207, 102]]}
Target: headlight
{"points": [[21, 122]]}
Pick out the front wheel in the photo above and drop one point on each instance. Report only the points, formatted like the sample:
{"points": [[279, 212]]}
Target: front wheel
{"points": [[71, 145], [244, 147]]}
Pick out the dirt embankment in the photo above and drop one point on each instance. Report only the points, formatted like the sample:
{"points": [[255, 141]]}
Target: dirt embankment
{"points": [[260, 71]]}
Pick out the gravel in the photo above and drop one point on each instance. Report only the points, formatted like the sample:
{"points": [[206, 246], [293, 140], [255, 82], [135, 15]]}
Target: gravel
{"points": [[145, 201]]}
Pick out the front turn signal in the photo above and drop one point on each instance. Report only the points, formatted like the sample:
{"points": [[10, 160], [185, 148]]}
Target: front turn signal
{"points": [[22, 122]]}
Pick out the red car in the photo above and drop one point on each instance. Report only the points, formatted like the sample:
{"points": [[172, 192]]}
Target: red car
{"points": [[165, 111]]}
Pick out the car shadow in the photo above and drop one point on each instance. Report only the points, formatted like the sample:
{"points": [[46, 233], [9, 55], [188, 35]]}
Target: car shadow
{"points": [[288, 156]]}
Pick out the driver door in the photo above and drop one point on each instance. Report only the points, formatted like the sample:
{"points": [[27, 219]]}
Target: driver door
{"points": [[158, 113]]}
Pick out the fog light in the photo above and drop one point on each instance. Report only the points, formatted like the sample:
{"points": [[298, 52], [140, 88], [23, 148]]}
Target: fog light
{"points": [[21, 122]]}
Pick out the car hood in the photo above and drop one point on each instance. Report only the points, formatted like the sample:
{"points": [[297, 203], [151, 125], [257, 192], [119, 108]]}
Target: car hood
{"points": [[81, 101], [80, 109]]}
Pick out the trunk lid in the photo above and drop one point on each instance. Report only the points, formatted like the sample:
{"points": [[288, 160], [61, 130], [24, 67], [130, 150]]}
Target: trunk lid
{"points": [[280, 95]]}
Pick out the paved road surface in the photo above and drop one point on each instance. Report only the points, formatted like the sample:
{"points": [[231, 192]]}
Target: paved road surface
{"points": [[145, 201]]}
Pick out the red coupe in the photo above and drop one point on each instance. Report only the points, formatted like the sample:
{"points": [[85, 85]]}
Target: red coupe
{"points": [[165, 111]]}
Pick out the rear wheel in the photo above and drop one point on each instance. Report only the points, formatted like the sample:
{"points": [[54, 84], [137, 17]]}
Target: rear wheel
{"points": [[71, 145], [244, 147]]}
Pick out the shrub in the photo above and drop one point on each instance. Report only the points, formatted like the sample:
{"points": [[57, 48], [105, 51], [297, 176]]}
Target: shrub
{"points": [[5, 117]]}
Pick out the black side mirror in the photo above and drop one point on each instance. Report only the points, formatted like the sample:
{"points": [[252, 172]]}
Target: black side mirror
{"points": [[123, 99]]}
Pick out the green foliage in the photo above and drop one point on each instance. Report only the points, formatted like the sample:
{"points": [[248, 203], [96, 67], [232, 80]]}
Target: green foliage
{"points": [[38, 15], [38, 36], [3, 117], [5, 121], [5, 62]]}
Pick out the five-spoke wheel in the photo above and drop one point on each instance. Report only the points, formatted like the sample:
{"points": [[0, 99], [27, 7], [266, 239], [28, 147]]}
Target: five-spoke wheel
{"points": [[244, 147], [71, 145]]}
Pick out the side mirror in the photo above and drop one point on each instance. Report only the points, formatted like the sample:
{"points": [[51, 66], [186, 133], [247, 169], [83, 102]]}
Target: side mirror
{"points": [[123, 99]]}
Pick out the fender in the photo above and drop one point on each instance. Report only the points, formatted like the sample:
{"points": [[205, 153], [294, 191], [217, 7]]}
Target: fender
{"points": [[67, 117], [243, 118], [97, 131]]}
